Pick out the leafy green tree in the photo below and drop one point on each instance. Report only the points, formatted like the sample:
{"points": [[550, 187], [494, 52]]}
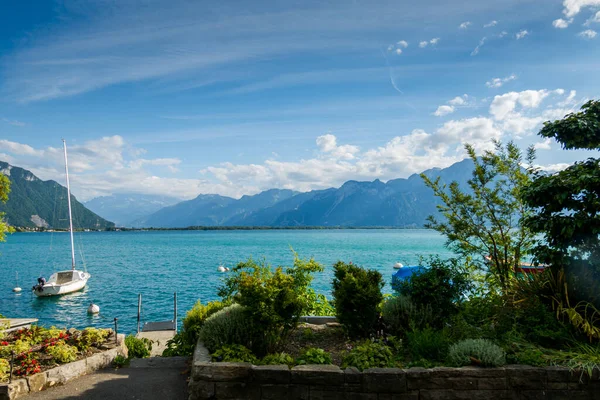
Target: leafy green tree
{"points": [[4, 191], [486, 220], [568, 202]]}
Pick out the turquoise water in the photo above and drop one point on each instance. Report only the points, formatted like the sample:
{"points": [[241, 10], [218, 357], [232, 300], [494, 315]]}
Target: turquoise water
{"points": [[157, 264]]}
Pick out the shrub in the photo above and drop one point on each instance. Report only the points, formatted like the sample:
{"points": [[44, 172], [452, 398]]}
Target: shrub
{"points": [[231, 325], [62, 353], [442, 287], [91, 337], [428, 344], [234, 353], [476, 352], [357, 295], [4, 369], [184, 342], [120, 361], [369, 354], [138, 348], [314, 356], [401, 315], [273, 299], [278, 359]]}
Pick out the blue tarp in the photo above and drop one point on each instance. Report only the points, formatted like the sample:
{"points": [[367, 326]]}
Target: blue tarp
{"points": [[405, 272]]}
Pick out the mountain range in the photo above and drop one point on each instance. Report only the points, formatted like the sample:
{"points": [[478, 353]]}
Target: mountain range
{"points": [[124, 209], [33, 203], [397, 203]]}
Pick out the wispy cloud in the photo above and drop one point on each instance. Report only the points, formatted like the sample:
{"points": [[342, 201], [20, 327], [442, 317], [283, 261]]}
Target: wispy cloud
{"points": [[479, 46], [498, 82], [561, 23], [14, 122], [491, 24], [588, 34], [594, 19], [464, 25], [425, 43], [521, 34], [574, 7], [443, 110]]}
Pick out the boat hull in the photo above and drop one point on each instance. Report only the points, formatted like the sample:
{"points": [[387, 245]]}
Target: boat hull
{"points": [[54, 289]]}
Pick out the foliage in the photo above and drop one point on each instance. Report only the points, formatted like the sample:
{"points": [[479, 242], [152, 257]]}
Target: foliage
{"points": [[138, 348], [427, 344], [479, 352], [278, 359], [4, 369], [442, 287], [369, 354], [400, 315], [273, 299], [582, 357], [357, 295], [4, 191], [120, 361], [91, 337], [318, 304], [231, 325], [486, 219], [62, 353], [26, 364], [183, 343], [314, 356], [234, 353]]}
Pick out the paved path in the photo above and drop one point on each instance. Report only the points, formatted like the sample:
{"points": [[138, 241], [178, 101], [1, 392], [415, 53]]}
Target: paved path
{"points": [[151, 378], [159, 340]]}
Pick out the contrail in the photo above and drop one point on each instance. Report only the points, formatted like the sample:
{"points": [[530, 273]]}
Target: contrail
{"points": [[390, 69]]}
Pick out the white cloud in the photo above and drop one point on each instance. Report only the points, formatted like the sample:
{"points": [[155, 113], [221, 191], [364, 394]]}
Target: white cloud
{"points": [[14, 122], [464, 25], [491, 24], [398, 51], [595, 19], [520, 35], [502, 34], [503, 105], [588, 34], [545, 145], [561, 23], [481, 43], [443, 110], [426, 43], [390, 47], [498, 82], [570, 100], [458, 100], [403, 43], [423, 44], [18, 148], [434, 41], [573, 7], [328, 144], [554, 167]]}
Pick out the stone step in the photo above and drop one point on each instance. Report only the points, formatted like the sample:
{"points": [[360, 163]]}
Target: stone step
{"points": [[160, 362]]}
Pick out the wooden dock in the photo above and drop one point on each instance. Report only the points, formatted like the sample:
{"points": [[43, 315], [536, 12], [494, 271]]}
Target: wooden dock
{"points": [[158, 332], [12, 324]]}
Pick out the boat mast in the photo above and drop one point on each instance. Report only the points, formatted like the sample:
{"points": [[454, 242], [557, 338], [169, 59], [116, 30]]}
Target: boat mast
{"points": [[69, 202]]}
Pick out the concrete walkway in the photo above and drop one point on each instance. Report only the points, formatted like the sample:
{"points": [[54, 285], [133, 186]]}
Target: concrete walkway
{"points": [[150, 378], [159, 340]]}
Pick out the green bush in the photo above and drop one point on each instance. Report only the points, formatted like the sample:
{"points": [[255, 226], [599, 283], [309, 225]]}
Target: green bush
{"points": [[4, 369], [313, 356], [357, 295], [231, 325], [184, 342], [91, 337], [278, 359], [138, 348], [273, 299], [401, 315], [62, 353], [234, 353], [442, 286], [427, 344], [120, 361], [480, 352], [369, 354]]}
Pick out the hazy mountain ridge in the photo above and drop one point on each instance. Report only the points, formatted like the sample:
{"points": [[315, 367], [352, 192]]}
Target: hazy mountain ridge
{"points": [[123, 209], [33, 202], [404, 202]]}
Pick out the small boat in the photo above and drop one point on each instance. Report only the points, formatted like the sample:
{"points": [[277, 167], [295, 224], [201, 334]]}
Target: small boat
{"points": [[524, 268], [69, 281], [17, 289], [221, 268], [398, 265]]}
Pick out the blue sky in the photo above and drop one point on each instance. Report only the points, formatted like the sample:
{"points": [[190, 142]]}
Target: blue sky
{"points": [[189, 97]]}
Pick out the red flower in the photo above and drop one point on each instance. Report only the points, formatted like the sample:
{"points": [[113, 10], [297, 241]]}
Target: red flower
{"points": [[4, 343]]}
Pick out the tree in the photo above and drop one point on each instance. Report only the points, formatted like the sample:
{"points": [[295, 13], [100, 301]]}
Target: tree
{"points": [[486, 220], [4, 191]]}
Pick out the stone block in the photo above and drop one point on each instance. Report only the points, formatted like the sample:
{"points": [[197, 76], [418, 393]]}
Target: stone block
{"points": [[523, 377], [13, 390], [557, 385], [492, 383], [329, 375], [352, 375], [360, 396], [274, 392], [412, 395], [201, 390], [298, 392], [271, 374], [558, 374], [466, 395], [222, 372], [64, 373], [237, 390], [384, 380], [36, 382], [316, 394], [479, 372]]}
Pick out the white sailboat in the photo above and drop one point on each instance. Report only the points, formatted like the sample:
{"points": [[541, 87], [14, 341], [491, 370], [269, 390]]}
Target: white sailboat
{"points": [[69, 281]]}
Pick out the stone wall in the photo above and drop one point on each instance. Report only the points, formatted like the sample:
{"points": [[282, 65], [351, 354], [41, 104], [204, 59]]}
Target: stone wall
{"points": [[318, 382], [64, 373]]}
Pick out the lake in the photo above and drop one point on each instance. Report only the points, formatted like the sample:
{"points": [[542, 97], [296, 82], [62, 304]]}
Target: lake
{"points": [[156, 264]]}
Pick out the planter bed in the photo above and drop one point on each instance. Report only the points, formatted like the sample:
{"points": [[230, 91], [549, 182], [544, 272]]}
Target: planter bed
{"points": [[35, 369]]}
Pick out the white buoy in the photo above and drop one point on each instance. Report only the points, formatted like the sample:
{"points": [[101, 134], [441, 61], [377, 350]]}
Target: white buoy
{"points": [[93, 309], [17, 289], [398, 265], [226, 269], [221, 268]]}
